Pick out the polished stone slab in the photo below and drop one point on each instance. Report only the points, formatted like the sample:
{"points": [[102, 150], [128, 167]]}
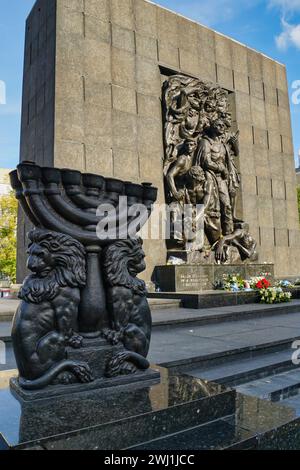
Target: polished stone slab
{"points": [[212, 436], [242, 370], [113, 418], [52, 391]]}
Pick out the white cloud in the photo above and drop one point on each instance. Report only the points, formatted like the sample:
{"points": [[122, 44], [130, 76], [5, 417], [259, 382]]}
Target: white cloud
{"points": [[290, 36], [286, 5], [209, 12]]}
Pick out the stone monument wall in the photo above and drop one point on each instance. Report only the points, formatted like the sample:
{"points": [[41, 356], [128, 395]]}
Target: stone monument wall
{"points": [[93, 78]]}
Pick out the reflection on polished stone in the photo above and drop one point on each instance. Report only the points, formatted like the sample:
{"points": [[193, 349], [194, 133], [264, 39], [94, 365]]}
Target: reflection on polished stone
{"points": [[32, 421], [216, 435], [259, 415], [179, 412]]}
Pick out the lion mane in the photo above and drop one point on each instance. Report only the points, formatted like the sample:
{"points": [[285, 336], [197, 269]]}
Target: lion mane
{"points": [[69, 270], [116, 263]]}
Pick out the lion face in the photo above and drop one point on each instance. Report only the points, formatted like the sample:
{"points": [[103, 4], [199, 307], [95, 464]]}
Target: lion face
{"points": [[39, 260], [56, 261], [122, 262], [137, 265]]}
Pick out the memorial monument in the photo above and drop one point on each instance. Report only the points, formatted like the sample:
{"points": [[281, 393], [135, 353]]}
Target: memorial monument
{"points": [[117, 93], [108, 84]]}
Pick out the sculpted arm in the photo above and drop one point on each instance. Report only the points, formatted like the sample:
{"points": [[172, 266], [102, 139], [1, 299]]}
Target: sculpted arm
{"points": [[208, 193], [248, 253], [234, 143], [226, 240], [172, 174]]}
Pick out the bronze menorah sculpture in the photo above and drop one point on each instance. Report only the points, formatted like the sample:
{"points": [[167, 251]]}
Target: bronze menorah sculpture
{"points": [[84, 314]]}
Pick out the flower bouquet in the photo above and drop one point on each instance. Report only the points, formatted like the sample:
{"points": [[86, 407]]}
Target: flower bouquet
{"points": [[262, 283], [274, 295], [233, 283]]}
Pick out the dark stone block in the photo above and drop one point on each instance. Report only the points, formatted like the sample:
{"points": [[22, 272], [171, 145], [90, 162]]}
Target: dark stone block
{"points": [[220, 271], [199, 278], [258, 270], [185, 278], [60, 390], [118, 417], [217, 435]]}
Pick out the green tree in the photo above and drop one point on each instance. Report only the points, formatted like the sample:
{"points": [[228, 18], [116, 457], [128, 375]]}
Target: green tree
{"points": [[8, 235]]}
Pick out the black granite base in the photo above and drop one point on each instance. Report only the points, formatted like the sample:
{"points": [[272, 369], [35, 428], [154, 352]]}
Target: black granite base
{"points": [[148, 377], [217, 298], [198, 278], [211, 299], [177, 413], [114, 418]]}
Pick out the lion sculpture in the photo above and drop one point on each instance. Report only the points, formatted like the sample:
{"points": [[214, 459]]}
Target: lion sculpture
{"points": [[46, 319], [128, 307]]}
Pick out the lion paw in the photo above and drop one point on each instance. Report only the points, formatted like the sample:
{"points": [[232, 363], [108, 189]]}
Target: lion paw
{"points": [[75, 342], [65, 378], [119, 359], [120, 365], [112, 336], [83, 373]]}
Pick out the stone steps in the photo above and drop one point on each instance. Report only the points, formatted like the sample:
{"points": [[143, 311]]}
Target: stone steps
{"points": [[240, 371], [173, 317], [184, 345], [278, 387], [242, 344], [162, 304], [171, 415], [189, 364], [216, 435]]}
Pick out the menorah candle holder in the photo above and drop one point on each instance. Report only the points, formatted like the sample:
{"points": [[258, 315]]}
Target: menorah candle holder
{"points": [[84, 292]]}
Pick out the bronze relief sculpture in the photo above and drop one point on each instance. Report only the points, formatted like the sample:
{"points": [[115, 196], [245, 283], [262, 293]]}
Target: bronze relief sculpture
{"points": [[200, 168]]}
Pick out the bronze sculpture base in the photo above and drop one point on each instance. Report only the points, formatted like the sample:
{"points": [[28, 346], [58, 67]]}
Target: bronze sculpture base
{"points": [[97, 353]]}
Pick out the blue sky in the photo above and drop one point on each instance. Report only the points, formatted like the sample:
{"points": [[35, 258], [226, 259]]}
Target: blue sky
{"points": [[270, 26]]}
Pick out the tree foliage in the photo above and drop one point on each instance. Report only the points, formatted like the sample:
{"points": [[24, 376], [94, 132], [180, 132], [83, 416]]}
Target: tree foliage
{"points": [[8, 236]]}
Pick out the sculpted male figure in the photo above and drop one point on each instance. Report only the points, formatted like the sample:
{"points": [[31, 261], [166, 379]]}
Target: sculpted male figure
{"points": [[180, 169], [214, 156]]}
